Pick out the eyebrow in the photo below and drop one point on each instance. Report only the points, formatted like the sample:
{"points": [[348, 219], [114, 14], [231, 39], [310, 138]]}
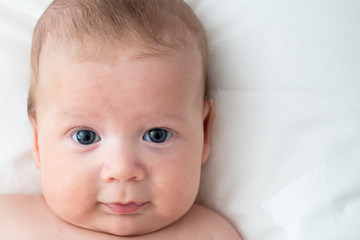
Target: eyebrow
{"points": [[175, 117], [92, 114], [78, 115]]}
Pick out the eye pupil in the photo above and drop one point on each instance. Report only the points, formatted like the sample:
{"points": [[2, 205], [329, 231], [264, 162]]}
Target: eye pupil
{"points": [[158, 135], [86, 137]]}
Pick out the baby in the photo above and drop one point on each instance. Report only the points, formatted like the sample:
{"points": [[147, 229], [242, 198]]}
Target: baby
{"points": [[122, 122]]}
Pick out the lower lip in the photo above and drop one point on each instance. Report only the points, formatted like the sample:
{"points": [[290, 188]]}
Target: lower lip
{"points": [[124, 208]]}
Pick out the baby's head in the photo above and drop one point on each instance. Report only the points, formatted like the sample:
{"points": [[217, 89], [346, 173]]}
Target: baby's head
{"points": [[119, 110]]}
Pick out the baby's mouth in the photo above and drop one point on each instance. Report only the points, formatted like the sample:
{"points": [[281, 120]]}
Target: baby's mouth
{"points": [[125, 208]]}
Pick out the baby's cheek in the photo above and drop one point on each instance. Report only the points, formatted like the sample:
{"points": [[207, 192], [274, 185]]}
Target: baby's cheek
{"points": [[179, 189], [68, 203], [64, 192]]}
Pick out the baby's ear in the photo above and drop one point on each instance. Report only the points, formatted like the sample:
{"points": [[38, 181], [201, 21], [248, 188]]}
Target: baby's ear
{"points": [[208, 121], [36, 153]]}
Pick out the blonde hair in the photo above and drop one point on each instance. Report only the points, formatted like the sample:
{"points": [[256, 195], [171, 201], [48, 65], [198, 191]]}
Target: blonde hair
{"points": [[95, 27]]}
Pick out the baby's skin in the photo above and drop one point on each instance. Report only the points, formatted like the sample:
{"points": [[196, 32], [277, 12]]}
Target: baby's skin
{"points": [[120, 144]]}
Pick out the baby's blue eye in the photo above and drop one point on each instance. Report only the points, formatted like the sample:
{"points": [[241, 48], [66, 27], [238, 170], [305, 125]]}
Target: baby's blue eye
{"points": [[157, 135], [85, 137]]}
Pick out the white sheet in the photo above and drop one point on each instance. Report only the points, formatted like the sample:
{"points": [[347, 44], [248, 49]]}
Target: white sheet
{"points": [[285, 79]]}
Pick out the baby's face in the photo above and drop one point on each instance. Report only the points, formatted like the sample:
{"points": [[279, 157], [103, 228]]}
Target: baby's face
{"points": [[120, 143]]}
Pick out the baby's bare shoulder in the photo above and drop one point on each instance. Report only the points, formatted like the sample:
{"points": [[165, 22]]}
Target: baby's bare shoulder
{"points": [[14, 212], [203, 223], [20, 214], [14, 206]]}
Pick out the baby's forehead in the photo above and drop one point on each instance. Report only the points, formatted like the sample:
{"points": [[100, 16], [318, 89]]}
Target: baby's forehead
{"points": [[62, 55], [160, 77]]}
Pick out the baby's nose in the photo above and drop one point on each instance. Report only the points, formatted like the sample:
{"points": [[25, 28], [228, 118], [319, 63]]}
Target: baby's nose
{"points": [[123, 164]]}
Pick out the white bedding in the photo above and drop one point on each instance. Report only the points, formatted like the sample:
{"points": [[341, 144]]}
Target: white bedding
{"points": [[285, 77]]}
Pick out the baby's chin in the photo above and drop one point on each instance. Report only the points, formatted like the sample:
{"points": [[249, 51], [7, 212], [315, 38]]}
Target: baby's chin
{"points": [[131, 231], [126, 227], [132, 219], [125, 232]]}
